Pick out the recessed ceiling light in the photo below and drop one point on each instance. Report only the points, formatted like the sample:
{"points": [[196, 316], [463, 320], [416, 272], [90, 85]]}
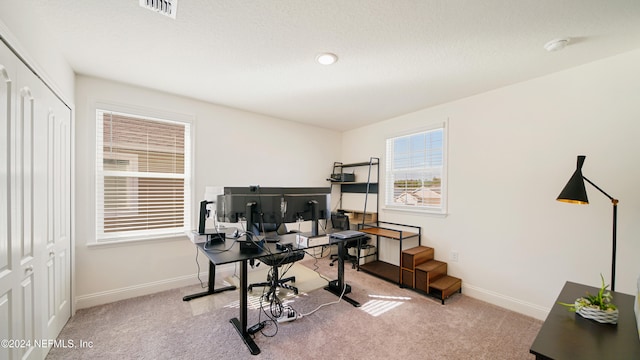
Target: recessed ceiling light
{"points": [[326, 58], [557, 44]]}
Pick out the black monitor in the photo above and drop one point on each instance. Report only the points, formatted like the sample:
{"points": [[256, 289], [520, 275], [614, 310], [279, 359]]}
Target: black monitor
{"points": [[257, 209], [306, 207], [272, 206]]}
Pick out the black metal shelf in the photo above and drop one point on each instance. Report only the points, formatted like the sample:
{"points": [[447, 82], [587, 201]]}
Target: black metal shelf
{"points": [[393, 231], [364, 163], [359, 188]]}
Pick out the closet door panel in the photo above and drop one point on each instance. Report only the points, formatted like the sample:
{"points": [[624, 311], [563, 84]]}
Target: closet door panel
{"points": [[17, 278], [25, 121], [8, 255], [6, 153], [29, 330], [58, 229], [29, 97]]}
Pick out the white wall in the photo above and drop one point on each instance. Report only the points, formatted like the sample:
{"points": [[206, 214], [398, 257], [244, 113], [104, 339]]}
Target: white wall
{"points": [[511, 151], [232, 148], [33, 41]]}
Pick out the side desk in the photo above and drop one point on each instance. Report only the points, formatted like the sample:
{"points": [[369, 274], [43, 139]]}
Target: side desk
{"points": [[229, 252], [396, 232], [566, 335]]}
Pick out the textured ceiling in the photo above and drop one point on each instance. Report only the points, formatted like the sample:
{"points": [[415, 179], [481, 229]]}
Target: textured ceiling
{"points": [[395, 56]]}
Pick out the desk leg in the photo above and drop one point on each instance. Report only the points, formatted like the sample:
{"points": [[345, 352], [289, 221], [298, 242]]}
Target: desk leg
{"points": [[400, 283], [241, 324], [211, 288], [336, 287]]}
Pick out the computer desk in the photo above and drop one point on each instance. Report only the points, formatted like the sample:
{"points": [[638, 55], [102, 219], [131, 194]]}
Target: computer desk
{"points": [[226, 253]]}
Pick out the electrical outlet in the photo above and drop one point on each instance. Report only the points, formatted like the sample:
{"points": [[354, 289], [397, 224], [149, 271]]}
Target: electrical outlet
{"points": [[454, 256]]}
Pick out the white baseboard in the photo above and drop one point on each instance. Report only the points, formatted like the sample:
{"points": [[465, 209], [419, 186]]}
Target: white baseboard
{"points": [[506, 302], [109, 296], [105, 297]]}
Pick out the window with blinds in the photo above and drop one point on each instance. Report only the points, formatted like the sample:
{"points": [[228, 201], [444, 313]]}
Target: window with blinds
{"points": [[415, 171], [142, 176]]}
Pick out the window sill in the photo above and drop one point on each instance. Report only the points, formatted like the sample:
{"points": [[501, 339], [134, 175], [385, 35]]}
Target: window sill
{"points": [[416, 211], [138, 240]]}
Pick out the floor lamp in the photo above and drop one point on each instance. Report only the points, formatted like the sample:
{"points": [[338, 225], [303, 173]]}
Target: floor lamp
{"points": [[575, 193]]}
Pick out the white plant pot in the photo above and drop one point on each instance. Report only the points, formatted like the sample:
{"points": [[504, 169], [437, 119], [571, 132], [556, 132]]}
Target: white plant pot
{"points": [[601, 316]]}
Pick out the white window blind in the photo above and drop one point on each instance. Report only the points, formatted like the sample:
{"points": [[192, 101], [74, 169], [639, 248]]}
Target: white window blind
{"points": [[415, 171], [142, 176]]}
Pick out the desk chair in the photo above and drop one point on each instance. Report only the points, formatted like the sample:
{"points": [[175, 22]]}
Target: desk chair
{"points": [[340, 222], [273, 279]]}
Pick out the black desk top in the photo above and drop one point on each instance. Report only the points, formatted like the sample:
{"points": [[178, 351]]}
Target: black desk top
{"points": [[566, 335], [229, 251]]}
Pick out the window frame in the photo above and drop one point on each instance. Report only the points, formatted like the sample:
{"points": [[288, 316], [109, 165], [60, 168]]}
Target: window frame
{"points": [[100, 237], [388, 172]]}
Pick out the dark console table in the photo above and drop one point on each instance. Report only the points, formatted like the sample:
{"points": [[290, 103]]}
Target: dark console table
{"points": [[566, 335]]}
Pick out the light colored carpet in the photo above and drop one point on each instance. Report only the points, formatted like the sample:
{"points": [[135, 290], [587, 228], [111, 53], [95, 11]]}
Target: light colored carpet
{"points": [[307, 280], [393, 323]]}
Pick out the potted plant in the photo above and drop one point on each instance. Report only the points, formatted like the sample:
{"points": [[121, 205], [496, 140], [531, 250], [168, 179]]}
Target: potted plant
{"points": [[596, 307]]}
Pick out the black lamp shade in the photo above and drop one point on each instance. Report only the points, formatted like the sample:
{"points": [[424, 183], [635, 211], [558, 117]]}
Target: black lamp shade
{"points": [[574, 191]]}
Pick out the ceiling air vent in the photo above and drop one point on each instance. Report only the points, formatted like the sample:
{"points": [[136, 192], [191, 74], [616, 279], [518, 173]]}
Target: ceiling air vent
{"points": [[164, 7]]}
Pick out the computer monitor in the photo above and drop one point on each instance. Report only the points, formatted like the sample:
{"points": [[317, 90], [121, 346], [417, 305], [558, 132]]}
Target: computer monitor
{"points": [[255, 208], [306, 207], [270, 207]]}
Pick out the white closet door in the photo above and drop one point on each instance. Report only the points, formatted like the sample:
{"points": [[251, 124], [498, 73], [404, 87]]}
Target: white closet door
{"points": [[35, 210], [9, 265], [18, 299], [57, 122], [25, 206]]}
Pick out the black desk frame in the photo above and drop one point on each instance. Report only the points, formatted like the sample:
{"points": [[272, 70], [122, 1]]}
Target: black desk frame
{"points": [[234, 255], [211, 286], [339, 287]]}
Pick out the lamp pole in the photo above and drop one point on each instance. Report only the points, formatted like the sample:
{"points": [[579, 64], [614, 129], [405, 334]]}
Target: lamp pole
{"points": [[614, 202]]}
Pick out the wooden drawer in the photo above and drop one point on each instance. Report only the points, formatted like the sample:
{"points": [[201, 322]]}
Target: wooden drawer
{"points": [[408, 279], [416, 256], [428, 272]]}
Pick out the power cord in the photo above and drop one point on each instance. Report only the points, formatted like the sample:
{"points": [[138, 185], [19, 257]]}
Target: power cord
{"points": [[280, 313], [275, 309], [344, 288], [202, 285]]}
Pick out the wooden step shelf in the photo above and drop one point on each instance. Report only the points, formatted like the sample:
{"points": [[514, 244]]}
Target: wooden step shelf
{"points": [[410, 259], [429, 272], [419, 270], [445, 287]]}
